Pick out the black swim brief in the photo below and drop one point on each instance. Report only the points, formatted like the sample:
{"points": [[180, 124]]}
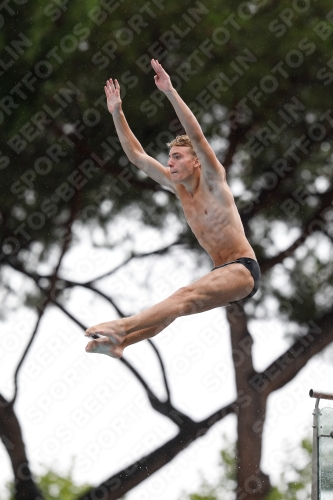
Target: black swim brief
{"points": [[253, 266]]}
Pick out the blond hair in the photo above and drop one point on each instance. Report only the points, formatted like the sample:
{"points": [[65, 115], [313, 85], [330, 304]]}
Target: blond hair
{"points": [[182, 140]]}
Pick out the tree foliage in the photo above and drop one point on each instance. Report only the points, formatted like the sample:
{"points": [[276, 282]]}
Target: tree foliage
{"points": [[55, 486], [258, 76], [294, 483]]}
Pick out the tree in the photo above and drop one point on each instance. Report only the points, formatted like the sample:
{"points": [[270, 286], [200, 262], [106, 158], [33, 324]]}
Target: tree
{"points": [[258, 76], [295, 481], [53, 486]]}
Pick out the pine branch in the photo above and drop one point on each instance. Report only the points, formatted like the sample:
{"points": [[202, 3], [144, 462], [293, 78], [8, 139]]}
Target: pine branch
{"points": [[313, 224], [288, 365]]}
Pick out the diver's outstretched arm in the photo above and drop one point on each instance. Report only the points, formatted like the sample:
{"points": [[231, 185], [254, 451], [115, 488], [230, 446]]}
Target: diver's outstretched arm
{"points": [[130, 144]]}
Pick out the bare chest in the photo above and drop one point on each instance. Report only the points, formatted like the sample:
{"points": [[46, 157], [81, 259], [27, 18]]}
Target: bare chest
{"points": [[212, 215], [204, 212]]}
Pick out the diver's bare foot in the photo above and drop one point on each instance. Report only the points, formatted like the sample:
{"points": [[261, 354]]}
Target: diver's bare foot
{"points": [[114, 330], [104, 346]]}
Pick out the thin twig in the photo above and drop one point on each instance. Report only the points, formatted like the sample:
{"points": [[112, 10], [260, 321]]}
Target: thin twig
{"points": [[127, 363], [135, 255], [32, 338], [71, 283], [88, 285], [166, 384], [163, 407], [327, 199], [48, 293]]}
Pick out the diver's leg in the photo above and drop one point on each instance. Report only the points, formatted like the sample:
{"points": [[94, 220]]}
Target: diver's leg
{"points": [[218, 288]]}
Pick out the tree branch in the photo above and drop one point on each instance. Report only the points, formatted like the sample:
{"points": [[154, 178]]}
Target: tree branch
{"points": [[12, 439], [49, 293], [166, 384], [235, 138], [123, 481], [267, 195], [113, 169], [163, 407], [32, 338], [286, 366], [327, 200], [36, 277], [135, 255], [71, 284]]}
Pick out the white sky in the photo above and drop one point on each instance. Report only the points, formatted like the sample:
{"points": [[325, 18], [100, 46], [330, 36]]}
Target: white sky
{"points": [[90, 408]]}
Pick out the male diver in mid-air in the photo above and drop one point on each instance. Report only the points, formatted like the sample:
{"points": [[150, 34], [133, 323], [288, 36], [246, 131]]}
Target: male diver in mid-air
{"points": [[198, 179]]}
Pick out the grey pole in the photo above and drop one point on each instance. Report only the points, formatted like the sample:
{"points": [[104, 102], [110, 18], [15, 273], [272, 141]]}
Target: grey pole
{"points": [[315, 451], [315, 458]]}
